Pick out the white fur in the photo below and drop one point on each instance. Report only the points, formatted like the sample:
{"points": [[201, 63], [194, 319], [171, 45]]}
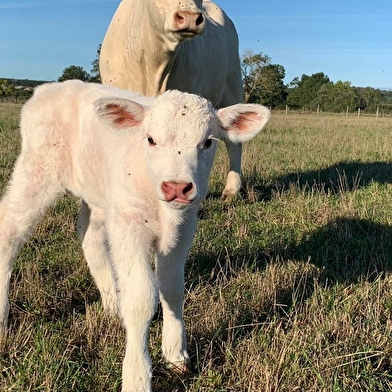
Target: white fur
{"points": [[142, 52], [95, 141]]}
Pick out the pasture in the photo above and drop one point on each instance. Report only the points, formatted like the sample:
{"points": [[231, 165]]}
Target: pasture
{"points": [[289, 287]]}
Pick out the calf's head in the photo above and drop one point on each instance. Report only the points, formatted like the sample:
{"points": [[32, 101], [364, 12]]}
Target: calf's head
{"points": [[180, 132]]}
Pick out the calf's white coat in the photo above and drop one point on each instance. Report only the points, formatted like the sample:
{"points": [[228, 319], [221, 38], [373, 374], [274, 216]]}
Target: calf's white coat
{"points": [[115, 150]]}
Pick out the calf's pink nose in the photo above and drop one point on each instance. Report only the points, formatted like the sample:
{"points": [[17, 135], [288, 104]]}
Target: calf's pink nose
{"points": [[177, 190]]}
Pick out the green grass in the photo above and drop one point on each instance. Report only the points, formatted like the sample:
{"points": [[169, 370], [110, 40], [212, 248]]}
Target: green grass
{"points": [[289, 287]]}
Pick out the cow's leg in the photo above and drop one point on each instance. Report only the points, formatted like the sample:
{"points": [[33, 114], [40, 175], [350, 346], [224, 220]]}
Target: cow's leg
{"points": [[137, 293], [92, 233], [233, 182], [30, 192], [170, 275]]}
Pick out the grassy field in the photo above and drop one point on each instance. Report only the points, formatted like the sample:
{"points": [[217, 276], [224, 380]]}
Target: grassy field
{"points": [[289, 287]]}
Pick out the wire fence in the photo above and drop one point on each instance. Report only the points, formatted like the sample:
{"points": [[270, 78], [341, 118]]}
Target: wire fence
{"points": [[19, 97], [381, 111]]}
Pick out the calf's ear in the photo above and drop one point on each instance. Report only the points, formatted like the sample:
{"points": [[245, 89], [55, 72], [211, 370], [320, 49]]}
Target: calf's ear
{"points": [[118, 113], [241, 122]]}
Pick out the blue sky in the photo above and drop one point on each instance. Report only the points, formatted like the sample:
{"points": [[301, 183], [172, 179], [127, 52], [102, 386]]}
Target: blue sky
{"points": [[347, 40]]}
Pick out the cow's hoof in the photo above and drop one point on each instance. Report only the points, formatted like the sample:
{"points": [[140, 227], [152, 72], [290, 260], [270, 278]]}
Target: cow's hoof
{"points": [[227, 196], [181, 368]]}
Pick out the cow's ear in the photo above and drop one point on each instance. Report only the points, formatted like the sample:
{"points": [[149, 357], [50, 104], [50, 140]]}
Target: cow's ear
{"points": [[118, 113], [241, 122]]}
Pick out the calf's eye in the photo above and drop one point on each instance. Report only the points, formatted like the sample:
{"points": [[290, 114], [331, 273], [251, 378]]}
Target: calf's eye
{"points": [[151, 141], [207, 144]]}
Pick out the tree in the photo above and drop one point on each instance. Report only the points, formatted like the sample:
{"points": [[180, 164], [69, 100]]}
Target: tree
{"points": [[369, 98], [95, 74], [341, 95], [274, 93], [251, 68], [336, 97], [6, 88], [74, 72], [262, 81], [303, 92]]}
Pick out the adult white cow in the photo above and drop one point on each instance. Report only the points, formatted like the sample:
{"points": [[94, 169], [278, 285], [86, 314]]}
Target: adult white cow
{"points": [[189, 45], [142, 166]]}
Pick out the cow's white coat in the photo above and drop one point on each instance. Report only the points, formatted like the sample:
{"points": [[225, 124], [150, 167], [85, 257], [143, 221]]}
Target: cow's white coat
{"points": [[145, 50], [114, 150]]}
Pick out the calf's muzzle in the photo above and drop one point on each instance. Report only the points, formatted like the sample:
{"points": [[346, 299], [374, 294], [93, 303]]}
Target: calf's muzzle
{"points": [[178, 191]]}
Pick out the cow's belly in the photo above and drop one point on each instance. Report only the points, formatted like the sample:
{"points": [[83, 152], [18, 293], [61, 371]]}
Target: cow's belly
{"points": [[200, 81]]}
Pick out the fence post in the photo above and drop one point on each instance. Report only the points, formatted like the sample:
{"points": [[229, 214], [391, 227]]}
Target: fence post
{"points": [[318, 109], [377, 111], [347, 111], [359, 112], [287, 110]]}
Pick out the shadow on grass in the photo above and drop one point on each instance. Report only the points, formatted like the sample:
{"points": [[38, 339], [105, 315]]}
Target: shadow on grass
{"points": [[347, 250], [344, 251], [341, 177]]}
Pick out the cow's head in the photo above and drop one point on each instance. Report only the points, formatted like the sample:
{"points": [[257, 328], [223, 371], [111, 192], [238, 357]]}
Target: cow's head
{"points": [[180, 132], [177, 19]]}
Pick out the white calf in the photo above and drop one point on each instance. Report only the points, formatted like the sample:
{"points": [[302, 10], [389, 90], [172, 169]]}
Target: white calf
{"points": [[141, 165]]}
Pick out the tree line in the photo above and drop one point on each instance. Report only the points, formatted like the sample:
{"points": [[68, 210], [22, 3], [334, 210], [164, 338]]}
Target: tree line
{"points": [[263, 82]]}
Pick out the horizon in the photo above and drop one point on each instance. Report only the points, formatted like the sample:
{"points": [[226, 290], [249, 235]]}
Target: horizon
{"points": [[54, 81]]}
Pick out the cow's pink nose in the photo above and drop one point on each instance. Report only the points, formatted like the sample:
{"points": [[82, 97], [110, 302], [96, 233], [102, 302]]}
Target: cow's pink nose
{"points": [[189, 21], [179, 191]]}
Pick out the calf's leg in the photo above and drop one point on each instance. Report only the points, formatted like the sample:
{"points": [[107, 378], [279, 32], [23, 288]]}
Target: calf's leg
{"points": [[170, 276], [137, 298], [92, 234], [29, 193]]}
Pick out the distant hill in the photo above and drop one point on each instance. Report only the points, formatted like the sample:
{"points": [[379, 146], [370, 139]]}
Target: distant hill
{"points": [[25, 82]]}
